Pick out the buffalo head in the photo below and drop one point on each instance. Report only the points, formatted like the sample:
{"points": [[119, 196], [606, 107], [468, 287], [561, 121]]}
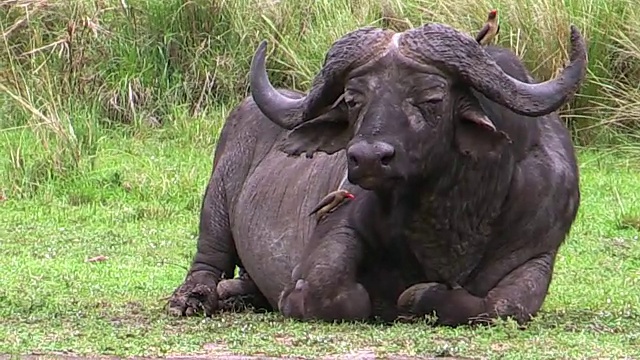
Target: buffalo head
{"points": [[398, 102]]}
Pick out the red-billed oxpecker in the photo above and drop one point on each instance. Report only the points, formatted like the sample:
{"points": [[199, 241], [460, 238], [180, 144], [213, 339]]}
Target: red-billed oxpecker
{"points": [[331, 202], [490, 29]]}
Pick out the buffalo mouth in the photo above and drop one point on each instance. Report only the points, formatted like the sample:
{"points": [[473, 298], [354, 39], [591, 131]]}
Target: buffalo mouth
{"points": [[371, 182]]}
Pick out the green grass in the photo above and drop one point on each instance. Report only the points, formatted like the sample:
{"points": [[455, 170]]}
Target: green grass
{"points": [[139, 206], [108, 119]]}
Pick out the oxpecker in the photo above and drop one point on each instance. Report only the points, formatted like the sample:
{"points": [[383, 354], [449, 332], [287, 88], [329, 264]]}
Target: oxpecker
{"points": [[490, 29], [330, 202]]}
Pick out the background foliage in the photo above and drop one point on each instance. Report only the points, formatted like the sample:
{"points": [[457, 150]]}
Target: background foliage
{"points": [[73, 72]]}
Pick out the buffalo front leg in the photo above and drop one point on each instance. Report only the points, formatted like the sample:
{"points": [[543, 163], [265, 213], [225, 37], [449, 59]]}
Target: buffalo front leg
{"points": [[239, 293], [215, 255], [324, 285], [518, 295]]}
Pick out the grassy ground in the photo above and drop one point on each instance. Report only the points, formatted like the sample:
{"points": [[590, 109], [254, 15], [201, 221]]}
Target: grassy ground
{"points": [[139, 208], [109, 113]]}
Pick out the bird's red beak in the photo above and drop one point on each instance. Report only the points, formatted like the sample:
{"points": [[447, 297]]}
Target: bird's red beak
{"points": [[350, 196]]}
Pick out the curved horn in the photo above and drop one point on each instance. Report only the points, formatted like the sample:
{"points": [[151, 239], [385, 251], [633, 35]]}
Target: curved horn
{"points": [[459, 53], [279, 108], [352, 50]]}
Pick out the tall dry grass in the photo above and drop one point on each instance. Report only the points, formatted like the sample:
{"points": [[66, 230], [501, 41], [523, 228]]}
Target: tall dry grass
{"points": [[69, 70]]}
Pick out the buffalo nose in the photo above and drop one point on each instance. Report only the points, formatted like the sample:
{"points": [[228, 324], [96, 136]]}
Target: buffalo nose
{"points": [[370, 155]]}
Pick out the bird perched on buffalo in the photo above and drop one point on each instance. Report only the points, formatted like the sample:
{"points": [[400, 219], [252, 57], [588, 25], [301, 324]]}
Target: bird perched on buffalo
{"points": [[490, 29], [331, 202]]}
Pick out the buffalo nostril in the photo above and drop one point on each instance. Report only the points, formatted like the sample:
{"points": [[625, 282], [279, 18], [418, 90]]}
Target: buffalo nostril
{"points": [[386, 154], [370, 155], [385, 159], [352, 159]]}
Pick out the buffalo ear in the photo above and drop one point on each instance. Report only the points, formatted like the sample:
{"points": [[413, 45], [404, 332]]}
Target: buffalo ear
{"points": [[328, 133], [475, 133]]}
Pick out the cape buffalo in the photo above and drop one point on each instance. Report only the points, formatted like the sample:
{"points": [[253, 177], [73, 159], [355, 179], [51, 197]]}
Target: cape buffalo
{"points": [[465, 183]]}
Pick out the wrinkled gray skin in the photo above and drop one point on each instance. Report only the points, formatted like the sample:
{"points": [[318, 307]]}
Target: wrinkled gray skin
{"points": [[462, 173]]}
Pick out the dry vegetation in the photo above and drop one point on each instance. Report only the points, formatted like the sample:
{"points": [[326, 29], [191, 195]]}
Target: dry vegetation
{"points": [[70, 69]]}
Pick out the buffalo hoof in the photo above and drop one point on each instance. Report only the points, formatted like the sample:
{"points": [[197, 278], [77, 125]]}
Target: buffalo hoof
{"points": [[196, 294], [301, 303], [451, 306], [292, 303]]}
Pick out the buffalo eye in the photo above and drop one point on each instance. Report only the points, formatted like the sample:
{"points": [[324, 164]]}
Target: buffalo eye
{"points": [[429, 98], [352, 98], [428, 105]]}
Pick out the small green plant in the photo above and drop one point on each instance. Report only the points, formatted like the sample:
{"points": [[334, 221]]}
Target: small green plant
{"points": [[630, 221]]}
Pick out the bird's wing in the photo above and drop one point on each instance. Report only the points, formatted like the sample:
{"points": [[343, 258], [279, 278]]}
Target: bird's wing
{"points": [[482, 33], [498, 29], [324, 202]]}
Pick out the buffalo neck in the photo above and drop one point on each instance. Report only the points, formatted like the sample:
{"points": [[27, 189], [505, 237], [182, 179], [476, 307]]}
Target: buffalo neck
{"points": [[450, 218], [469, 187]]}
